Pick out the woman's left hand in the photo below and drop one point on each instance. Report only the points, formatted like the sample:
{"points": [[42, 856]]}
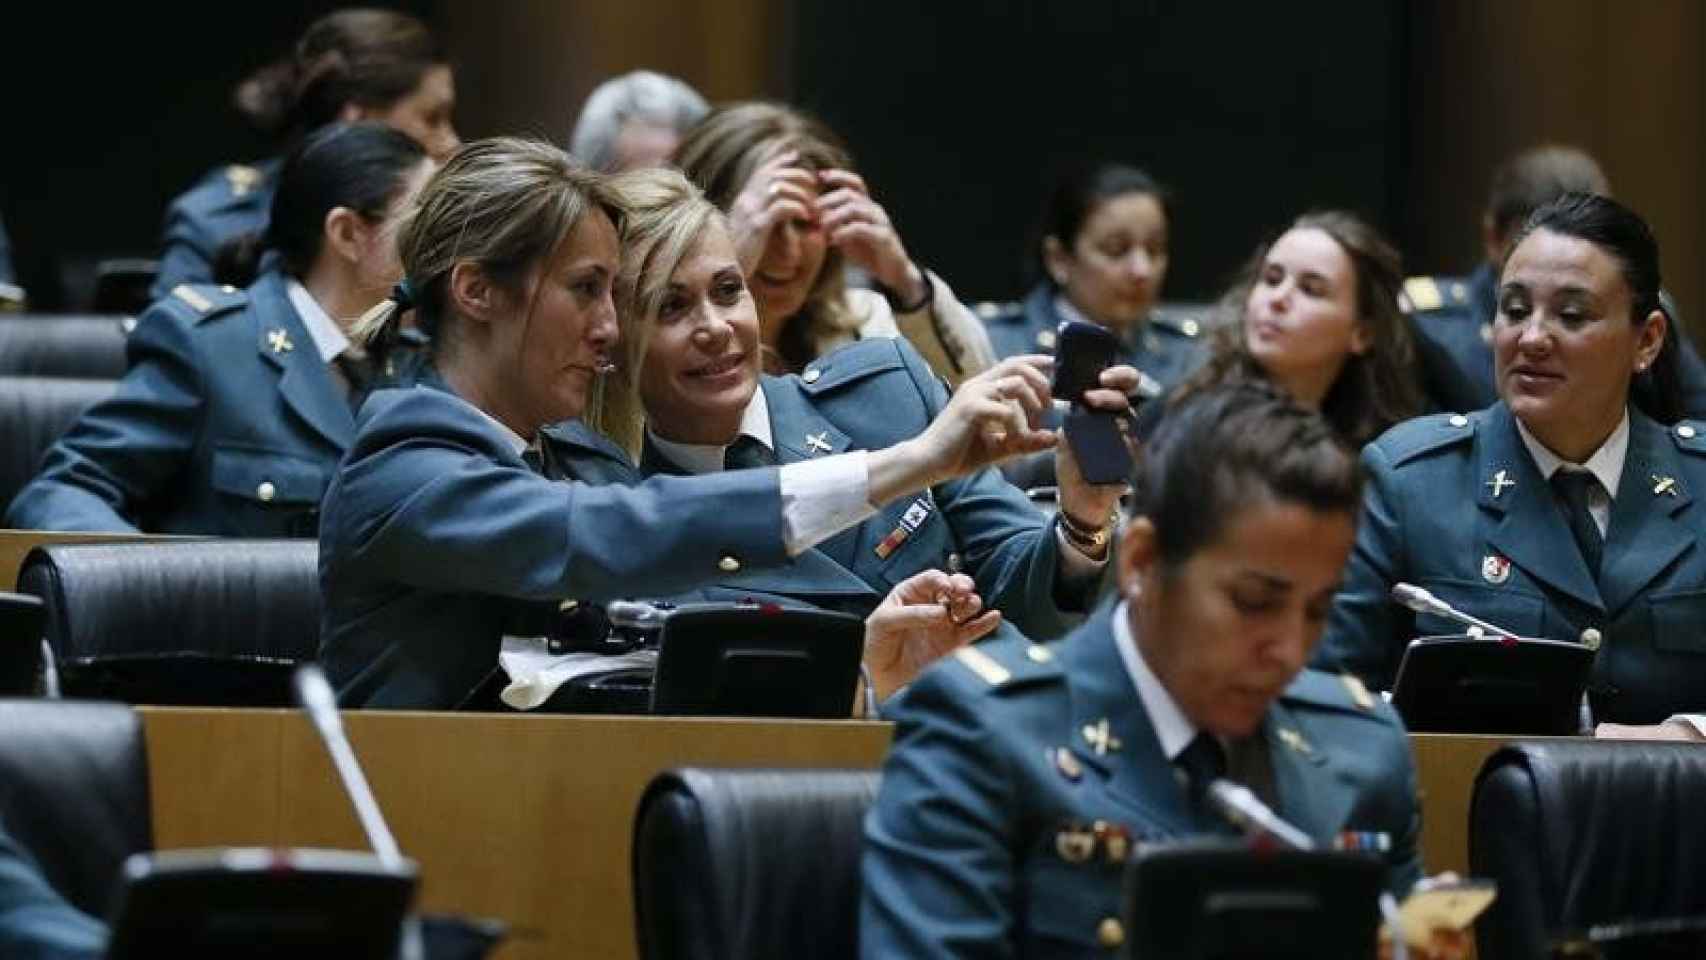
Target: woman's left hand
{"points": [[1090, 504], [925, 617], [860, 228]]}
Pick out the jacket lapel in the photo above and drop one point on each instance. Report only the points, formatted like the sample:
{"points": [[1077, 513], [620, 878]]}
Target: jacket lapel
{"points": [[1529, 529], [1648, 529], [1138, 775], [1313, 789], [798, 431], [304, 382]]}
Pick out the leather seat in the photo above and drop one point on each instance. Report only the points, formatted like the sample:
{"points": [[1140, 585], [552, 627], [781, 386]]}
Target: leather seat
{"points": [[193, 622], [1579, 833], [750, 864], [74, 792], [34, 412], [20, 644], [89, 347]]}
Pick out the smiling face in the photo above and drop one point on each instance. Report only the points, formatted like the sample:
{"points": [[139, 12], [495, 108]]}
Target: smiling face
{"points": [[788, 270], [701, 363], [1114, 268], [1565, 344], [1300, 318], [565, 330], [1229, 628]]}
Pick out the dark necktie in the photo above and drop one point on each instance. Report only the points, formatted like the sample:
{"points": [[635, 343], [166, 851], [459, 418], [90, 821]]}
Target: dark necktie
{"points": [[1203, 761], [539, 459], [746, 453], [358, 373], [1572, 488]]}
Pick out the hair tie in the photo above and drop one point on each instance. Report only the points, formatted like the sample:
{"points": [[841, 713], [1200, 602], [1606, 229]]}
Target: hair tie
{"points": [[403, 295]]}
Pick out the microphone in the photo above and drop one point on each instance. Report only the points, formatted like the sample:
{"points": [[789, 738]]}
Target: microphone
{"points": [[1244, 810], [1421, 601], [321, 705]]}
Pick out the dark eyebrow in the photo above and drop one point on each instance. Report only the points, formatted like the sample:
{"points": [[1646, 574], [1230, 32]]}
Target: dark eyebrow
{"points": [[1268, 580]]}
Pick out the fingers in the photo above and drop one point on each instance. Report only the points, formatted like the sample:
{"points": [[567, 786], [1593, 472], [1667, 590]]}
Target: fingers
{"points": [[974, 630], [926, 586], [1122, 378], [843, 179], [1108, 401]]}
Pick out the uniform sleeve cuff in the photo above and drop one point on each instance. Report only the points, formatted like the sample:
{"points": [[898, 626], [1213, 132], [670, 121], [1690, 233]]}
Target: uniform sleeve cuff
{"points": [[821, 498]]}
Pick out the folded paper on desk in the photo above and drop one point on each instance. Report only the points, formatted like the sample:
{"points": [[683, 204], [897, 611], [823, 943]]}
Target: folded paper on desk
{"points": [[535, 673]]}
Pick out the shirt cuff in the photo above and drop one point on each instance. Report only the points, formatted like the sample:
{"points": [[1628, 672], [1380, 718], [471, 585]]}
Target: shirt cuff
{"points": [[1075, 567], [821, 498], [1696, 721]]}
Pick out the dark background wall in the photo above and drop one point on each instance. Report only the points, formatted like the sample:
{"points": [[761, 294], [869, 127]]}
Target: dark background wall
{"points": [[957, 111]]}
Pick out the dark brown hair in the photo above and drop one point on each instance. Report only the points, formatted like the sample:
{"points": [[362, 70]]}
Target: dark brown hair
{"points": [[1374, 390]]}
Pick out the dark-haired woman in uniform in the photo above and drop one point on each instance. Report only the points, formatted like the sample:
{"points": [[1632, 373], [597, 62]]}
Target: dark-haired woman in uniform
{"points": [[1103, 255], [463, 511], [238, 403], [1315, 313], [349, 66], [1567, 510], [1023, 777]]}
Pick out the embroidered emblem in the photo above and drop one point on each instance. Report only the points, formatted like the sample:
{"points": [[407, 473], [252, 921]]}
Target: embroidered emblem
{"points": [[279, 341], [1100, 738], [1499, 482], [818, 443], [1664, 485], [1495, 569], [1295, 741], [1074, 844]]}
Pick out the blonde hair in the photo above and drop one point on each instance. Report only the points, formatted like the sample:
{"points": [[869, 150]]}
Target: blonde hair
{"points": [[505, 204], [720, 155], [664, 218]]}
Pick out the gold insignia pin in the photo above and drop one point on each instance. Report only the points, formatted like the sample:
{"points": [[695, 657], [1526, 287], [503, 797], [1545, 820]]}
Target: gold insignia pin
{"points": [[279, 341], [1100, 738], [1074, 844], [818, 442], [1664, 485], [1067, 764], [1295, 741], [1500, 481]]}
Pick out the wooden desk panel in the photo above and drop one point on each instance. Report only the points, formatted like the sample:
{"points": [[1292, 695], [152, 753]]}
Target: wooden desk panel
{"points": [[529, 818]]}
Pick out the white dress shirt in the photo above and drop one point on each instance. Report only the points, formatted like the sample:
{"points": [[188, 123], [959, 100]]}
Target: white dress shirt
{"points": [[1606, 465], [328, 337], [1172, 727]]}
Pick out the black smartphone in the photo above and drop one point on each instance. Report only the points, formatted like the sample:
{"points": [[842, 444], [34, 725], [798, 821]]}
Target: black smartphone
{"points": [[1081, 352]]}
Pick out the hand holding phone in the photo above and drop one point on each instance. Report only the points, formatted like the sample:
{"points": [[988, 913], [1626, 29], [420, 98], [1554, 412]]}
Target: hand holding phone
{"points": [[1082, 352]]}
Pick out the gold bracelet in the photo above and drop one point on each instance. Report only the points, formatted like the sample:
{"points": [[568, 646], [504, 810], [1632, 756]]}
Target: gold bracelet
{"points": [[1090, 541]]}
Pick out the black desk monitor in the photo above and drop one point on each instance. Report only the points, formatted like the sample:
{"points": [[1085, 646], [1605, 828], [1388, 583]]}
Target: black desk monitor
{"points": [[727, 659], [1465, 684], [20, 644], [259, 903], [1219, 900]]}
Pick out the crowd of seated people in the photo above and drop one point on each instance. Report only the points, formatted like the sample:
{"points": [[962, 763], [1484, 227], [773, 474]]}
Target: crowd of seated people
{"points": [[691, 358]]}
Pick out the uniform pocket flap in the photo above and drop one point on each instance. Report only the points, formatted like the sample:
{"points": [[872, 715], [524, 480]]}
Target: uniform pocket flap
{"points": [[266, 476], [1679, 621]]}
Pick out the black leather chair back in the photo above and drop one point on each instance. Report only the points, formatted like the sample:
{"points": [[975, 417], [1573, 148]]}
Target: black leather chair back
{"points": [[1579, 833], [750, 864], [34, 411], [74, 792], [20, 644], [89, 347], [122, 284], [193, 622]]}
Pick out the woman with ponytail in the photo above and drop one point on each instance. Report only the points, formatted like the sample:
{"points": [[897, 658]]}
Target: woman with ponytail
{"points": [[238, 403], [349, 66]]}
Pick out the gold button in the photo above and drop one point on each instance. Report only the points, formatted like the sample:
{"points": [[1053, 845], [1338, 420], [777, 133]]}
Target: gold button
{"points": [[1110, 933], [1591, 638], [811, 375], [227, 288], [1685, 431], [1191, 328], [266, 491], [1459, 420], [1039, 653], [728, 564]]}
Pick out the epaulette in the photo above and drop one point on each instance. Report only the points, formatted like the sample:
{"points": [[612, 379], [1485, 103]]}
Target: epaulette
{"points": [[987, 310], [1341, 692], [209, 301], [243, 178], [1690, 436], [1422, 294], [1423, 435], [1185, 321], [856, 361], [1007, 662]]}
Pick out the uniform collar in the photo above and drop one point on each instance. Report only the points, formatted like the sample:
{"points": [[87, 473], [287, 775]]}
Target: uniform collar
{"points": [[328, 337], [1606, 464], [512, 440], [697, 458], [1173, 729]]}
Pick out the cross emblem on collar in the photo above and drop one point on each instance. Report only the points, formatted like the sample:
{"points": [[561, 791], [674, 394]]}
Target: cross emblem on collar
{"points": [[279, 341], [1100, 738], [1499, 482], [818, 442]]}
